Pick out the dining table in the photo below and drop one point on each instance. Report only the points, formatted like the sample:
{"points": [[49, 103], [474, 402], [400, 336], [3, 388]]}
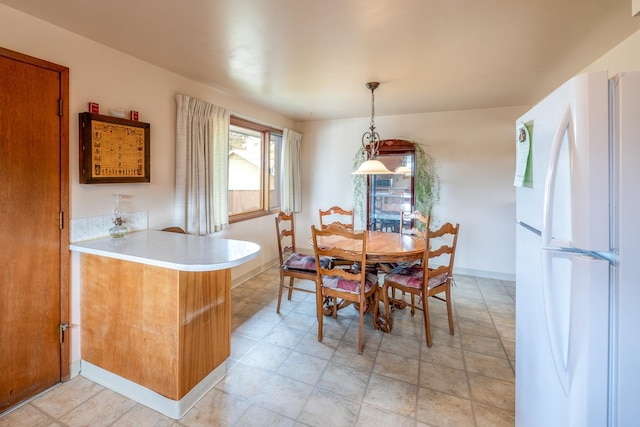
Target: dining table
{"points": [[383, 248]]}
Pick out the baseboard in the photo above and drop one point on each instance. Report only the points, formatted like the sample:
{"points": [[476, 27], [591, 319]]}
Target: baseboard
{"points": [[485, 274], [76, 367], [253, 273], [175, 409], [466, 271]]}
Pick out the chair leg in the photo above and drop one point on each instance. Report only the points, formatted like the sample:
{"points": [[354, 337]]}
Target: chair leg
{"points": [[376, 309], [449, 310], [386, 301], [382, 320], [361, 327], [425, 313], [391, 294], [290, 288], [319, 310], [280, 292]]}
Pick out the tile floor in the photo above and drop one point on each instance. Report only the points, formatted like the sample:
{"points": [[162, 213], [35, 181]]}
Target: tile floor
{"points": [[279, 374]]}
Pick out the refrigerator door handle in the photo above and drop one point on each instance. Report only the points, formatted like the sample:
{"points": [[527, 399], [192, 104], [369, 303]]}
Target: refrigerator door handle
{"points": [[557, 331], [566, 124], [576, 300]]}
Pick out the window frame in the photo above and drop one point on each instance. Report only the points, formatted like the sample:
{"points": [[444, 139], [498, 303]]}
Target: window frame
{"points": [[265, 132]]}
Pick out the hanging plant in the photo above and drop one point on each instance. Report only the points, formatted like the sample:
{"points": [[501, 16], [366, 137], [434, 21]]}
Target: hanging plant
{"points": [[426, 183], [359, 187]]}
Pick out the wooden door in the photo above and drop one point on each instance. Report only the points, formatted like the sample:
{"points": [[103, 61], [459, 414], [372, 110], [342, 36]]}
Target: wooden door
{"points": [[34, 257]]}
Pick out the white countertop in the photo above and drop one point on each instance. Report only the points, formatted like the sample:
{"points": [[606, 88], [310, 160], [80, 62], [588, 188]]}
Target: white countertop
{"points": [[172, 250]]}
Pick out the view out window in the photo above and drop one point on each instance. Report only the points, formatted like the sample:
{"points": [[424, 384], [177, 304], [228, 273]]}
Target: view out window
{"points": [[254, 169]]}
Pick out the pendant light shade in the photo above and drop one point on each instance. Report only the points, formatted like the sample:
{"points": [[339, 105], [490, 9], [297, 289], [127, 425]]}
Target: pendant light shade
{"points": [[372, 167], [402, 170], [371, 144]]}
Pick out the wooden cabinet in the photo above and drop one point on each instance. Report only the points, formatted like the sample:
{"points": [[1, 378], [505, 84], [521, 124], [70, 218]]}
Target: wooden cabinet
{"points": [[388, 195], [156, 314], [161, 328]]}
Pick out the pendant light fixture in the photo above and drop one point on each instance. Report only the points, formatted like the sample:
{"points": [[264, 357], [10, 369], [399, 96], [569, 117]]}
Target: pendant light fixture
{"points": [[402, 170], [371, 144]]}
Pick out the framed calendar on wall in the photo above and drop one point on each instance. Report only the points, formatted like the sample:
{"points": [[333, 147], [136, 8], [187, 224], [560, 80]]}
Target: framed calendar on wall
{"points": [[113, 150]]}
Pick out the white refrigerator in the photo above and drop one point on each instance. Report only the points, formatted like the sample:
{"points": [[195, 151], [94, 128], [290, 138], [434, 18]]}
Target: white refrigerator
{"points": [[578, 255]]}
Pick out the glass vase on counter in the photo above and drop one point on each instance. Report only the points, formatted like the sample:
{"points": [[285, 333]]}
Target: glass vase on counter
{"points": [[119, 229]]}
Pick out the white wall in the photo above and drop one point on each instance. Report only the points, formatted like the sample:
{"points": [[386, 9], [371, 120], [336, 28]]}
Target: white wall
{"points": [[624, 57], [113, 79], [474, 150], [474, 153]]}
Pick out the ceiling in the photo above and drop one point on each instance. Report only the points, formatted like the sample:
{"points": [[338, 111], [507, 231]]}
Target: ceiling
{"points": [[311, 59]]}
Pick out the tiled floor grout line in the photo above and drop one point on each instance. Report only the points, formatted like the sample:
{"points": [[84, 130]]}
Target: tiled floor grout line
{"points": [[464, 364], [254, 300]]}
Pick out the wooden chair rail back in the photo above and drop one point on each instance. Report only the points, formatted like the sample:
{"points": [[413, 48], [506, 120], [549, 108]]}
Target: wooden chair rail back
{"points": [[446, 237], [174, 230], [408, 223], [356, 254], [336, 214], [445, 248], [285, 230]]}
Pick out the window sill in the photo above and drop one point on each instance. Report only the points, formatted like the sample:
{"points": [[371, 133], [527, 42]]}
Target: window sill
{"points": [[249, 215]]}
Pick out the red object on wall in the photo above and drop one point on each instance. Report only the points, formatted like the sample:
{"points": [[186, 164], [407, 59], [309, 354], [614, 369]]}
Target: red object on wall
{"points": [[94, 108], [133, 115]]}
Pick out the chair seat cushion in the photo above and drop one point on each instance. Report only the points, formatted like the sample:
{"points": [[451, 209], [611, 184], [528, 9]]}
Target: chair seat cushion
{"points": [[411, 277], [302, 262], [336, 282]]}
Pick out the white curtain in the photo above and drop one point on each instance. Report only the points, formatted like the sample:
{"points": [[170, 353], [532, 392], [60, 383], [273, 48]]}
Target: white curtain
{"points": [[291, 192], [202, 154]]}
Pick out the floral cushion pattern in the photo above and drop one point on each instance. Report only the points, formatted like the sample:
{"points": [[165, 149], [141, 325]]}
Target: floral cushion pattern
{"points": [[335, 282], [411, 277], [305, 262]]}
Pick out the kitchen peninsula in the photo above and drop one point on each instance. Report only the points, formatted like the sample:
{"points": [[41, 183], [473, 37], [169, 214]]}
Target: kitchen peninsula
{"points": [[156, 314]]}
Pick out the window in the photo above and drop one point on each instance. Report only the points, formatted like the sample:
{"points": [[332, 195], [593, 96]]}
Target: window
{"points": [[388, 195], [254, 169]]}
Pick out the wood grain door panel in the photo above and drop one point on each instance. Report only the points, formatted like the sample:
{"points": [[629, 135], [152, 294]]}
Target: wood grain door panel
{"points": [[163, 329], [32, 256]]}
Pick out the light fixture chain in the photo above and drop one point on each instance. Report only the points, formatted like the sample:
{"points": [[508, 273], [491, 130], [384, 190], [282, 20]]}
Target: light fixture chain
{"points": [[371, 143], [373, 125]]}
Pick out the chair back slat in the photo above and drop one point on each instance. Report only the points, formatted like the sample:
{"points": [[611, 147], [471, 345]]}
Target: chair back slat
{"points": [[413, 223], [438, 270], [442, 250], [285, 230], [336, 214], [447, 237], [357, 243]]}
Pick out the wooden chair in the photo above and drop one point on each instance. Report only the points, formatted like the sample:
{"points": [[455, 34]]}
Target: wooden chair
{"points": [[175, 230], [354, 285], [412, 223], [292, 264], [336, 214], [424, 281], [408, 226]]}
